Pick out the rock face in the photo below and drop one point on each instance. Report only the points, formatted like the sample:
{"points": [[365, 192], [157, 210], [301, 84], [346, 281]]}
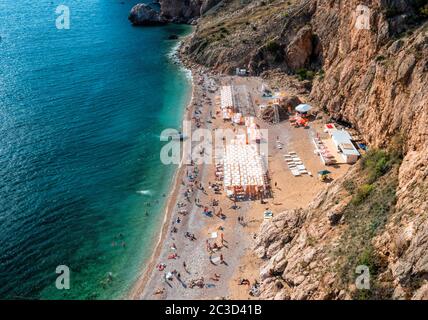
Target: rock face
{"points": [[142, 15], [299, 51], [185, 11], [375, 74]]}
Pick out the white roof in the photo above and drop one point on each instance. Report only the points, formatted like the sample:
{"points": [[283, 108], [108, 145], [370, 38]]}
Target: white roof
{"points": [[341, 136], [344, 141]]}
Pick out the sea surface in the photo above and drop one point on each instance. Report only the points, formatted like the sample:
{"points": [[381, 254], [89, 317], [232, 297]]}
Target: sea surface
{"points": [[81, 112]]}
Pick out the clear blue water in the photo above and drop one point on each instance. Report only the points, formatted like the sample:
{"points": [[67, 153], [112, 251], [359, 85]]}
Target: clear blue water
{"points": [[81, 111]]}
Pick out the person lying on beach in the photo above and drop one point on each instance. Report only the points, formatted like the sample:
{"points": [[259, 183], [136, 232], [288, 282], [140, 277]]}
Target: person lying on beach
{"points": [[159, 291], [244, 282], [221, 215], [161, 266], [190, 236], [173, 256], [197, 282]]}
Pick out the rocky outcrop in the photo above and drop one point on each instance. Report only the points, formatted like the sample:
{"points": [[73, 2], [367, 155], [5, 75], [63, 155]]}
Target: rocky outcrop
{"points": [[299, 51], [143, 15], [283, 110], [185, 11]]}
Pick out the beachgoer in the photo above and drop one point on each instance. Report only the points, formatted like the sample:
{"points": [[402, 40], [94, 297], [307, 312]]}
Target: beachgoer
{"points": [[159, 291]]}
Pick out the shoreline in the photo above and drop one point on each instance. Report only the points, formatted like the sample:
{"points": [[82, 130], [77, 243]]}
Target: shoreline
{"points": [[139, 286]]}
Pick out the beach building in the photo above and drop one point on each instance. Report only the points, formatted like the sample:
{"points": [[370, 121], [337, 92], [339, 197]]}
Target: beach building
{"points": [[241, 72], [343, 142]]}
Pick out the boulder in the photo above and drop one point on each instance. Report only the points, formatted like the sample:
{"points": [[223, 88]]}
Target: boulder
{"points": [[143, 15]]}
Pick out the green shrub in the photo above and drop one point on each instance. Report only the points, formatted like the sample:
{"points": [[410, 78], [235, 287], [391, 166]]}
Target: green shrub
{"points": [[273, 47], [362, 193], [377, 162], [349, 186], [423, 11], [304, 74], [368, 258], [224, 30], [380, 58]]}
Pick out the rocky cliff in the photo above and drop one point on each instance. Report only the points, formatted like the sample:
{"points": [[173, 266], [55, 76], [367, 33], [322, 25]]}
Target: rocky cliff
{"points": [[367, 65], [185, 10]]}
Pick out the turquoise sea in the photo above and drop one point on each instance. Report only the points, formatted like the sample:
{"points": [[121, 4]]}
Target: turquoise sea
{"points": [[81, 111]]}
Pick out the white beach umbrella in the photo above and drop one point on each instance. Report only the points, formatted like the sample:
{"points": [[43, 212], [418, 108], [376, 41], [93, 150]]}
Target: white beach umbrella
{"points": [[303, 108]]}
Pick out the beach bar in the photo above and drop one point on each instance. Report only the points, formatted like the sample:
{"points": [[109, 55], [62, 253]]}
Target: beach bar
{"points": [[343, 142]]}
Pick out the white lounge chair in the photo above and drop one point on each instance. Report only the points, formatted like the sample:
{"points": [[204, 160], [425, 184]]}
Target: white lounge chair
{"points": [[295, 172]]}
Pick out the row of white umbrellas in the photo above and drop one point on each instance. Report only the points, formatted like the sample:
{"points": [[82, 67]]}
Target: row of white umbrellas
{"points": [[226, 97], [243, 166]]}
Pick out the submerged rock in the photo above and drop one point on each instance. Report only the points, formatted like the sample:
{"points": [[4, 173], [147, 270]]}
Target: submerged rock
{"points": [[143, 15], [172, 37]]}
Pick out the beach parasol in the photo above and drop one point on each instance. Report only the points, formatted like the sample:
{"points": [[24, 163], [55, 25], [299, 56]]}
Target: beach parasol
{"points": [[303, 108], [323, 172]]}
